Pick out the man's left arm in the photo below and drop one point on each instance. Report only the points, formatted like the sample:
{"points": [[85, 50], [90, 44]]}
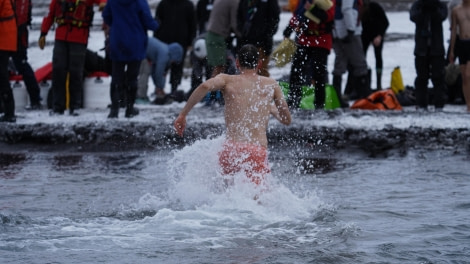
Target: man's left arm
{"points": [[282, 114]]}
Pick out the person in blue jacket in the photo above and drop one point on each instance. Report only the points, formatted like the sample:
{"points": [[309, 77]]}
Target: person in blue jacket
{"points": [[128, 22], [159, 58]]}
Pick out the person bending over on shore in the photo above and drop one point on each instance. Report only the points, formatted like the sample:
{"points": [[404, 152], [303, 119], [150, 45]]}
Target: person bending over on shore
{"points": [[250, 99]]}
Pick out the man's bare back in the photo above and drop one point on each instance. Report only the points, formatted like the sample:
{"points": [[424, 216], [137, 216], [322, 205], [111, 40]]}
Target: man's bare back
{"points": [[461, 25], [248, 100], [461, 19]]}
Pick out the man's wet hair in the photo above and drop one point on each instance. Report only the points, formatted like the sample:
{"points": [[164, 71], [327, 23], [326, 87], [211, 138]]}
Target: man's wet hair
{"points": [[248, 56]]}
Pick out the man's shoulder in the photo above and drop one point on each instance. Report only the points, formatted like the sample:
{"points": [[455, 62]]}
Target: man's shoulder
{"points": [[269, 81]]}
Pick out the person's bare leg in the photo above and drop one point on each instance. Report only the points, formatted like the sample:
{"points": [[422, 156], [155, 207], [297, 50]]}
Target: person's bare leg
{"points": [[465, 70]]}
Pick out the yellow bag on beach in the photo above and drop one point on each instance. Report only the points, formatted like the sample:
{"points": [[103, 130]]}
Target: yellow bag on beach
{"points": [[323, 4], [397, 81], [284, 52]]}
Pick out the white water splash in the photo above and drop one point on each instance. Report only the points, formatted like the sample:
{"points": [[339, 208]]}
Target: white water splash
{"points": [[198, 185]]}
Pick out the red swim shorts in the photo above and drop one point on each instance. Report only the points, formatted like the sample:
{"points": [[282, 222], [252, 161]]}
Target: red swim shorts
{"points": [[252, 159]]}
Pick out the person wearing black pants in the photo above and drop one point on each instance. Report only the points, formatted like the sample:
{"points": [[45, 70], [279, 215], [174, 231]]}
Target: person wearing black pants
{"points": [[8, 44], [68, 58], [128, 24], [313, 27], [20, 57], [374, 25], [6, 94], [310, 64], [124, 79], [428, 15]]}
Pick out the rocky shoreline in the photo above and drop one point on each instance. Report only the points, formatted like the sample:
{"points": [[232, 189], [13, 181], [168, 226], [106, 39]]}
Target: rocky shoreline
{"points": [[374, 132]]}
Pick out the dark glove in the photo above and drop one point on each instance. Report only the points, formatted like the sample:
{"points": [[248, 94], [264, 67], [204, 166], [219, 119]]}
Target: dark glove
{"points": [[42, 41], [287, 32], [349, 37]]}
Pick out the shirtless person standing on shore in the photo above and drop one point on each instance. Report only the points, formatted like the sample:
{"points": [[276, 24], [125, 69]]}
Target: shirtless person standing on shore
{"points": [[250, 99], [461, 21]]}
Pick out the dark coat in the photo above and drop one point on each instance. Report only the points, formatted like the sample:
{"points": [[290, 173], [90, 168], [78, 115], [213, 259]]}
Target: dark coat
{"points": [[203, 12], [428, 15], [374, 21], [177, 20], [260, 28]]}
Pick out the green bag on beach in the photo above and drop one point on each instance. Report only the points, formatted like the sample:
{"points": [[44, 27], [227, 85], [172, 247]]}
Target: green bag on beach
{"points": [[331, 98], [308, 96]]}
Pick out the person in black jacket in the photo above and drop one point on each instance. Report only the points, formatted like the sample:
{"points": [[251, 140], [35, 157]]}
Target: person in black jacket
{"points": [[203, 12], [177, 19], [428, 15], [258, 20], [374, 25]]}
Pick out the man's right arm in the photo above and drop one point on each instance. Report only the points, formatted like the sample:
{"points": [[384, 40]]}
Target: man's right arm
{"points": [[213, 84]]}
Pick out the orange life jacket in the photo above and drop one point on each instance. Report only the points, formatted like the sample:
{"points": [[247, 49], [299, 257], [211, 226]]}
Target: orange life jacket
{"points": [[8, 30], [77, 13], [380, 100]]}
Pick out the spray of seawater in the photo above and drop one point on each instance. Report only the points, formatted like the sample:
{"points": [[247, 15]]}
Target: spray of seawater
{"points": [[197, 184]]}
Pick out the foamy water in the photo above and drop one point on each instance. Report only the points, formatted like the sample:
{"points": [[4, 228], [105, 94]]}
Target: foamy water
{"points": [[66, 206]]}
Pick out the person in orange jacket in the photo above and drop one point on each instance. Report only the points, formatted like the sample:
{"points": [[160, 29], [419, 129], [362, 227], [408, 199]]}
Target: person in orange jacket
{"points": [[73, 19], [23, 10], [8, 45]]}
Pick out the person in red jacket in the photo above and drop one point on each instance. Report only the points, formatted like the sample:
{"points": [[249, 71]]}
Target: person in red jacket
{"points": [[73, 19], [312, 22], [8, 45], [20, 57]]}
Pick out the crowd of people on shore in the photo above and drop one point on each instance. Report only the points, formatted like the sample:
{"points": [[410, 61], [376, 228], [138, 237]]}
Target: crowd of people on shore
{"points": [[211, 32]]}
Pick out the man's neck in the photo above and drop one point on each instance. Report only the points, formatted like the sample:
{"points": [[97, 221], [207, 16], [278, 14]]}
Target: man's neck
{"points": [[246, 71]]}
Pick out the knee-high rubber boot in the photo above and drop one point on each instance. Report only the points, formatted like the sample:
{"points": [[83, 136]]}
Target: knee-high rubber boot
{"points": [[350, 89], [115, 93], [8, 107], [295, 95], [122, 97], [337, 79], [131, 111], [378, 73], [363, 86]]}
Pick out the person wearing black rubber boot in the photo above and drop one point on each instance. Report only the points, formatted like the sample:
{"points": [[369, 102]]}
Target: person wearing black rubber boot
{"points": [[347, 45], [8, 45], [128, 21]]}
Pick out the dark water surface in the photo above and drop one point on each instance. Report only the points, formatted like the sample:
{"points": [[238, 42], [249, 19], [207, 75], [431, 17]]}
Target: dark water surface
{"points": [[68, 206]]}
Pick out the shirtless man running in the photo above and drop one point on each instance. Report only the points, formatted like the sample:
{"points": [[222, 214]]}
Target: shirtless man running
{"points": [[461, 23], [250, 99]]}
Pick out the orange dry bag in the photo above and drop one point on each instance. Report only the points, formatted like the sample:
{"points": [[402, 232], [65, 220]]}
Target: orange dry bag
{"points": [[380, 100]]}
